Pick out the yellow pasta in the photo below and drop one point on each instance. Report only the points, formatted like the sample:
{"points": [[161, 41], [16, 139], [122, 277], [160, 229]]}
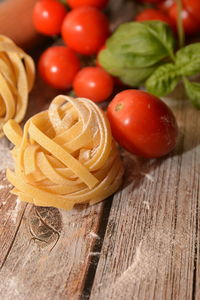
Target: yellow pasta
{"points": [[65, 155], [17, 74]]}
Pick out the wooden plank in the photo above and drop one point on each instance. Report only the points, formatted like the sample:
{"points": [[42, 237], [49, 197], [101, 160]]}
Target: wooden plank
{"points": [[151, 246], [44, 252], [50, 254], [21, 252], [11, 211]]}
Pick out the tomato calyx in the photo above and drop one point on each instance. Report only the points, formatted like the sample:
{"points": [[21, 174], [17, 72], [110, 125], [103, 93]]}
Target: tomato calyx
{"points": [[119, 106]]}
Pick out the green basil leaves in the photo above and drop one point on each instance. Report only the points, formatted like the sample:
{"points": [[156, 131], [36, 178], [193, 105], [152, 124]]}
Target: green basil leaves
{"points": [[188, 60], [135, 50], [139, 52], [166, 77], [163, 81], [193, 92]]}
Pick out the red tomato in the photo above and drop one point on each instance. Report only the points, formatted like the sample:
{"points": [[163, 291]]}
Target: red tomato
{"points": [[85, 30], [193, 7], [165, 5], [94, 3], [48, 16], [154, 14], [142, 123], [93, 83], [58, 66], [190, 24]]}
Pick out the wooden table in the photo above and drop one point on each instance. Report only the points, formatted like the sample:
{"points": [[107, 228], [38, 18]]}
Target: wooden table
{"points": [[141, 244]]}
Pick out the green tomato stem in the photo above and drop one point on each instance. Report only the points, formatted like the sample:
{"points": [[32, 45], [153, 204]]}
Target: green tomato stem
{"points": [[181, 33]]}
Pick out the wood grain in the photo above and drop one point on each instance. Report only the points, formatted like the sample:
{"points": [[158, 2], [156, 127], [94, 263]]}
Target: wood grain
{"points": [[44, 252], [151, 247], [42, 267], [142, 245]]}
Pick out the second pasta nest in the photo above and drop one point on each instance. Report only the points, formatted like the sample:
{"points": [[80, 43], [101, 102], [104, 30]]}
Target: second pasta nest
{"points": [[17, 74]]}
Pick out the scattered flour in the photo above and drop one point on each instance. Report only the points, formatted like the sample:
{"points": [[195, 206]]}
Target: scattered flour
{"points": [[6, 160], [94, 235], [94, 253], [10, 288], [147, 205], [5, 186], [15, 211], [148, 176], [2, 187], [151, 260]]}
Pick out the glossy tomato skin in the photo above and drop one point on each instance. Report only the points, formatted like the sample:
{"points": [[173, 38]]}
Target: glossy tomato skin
{"points": [[155, 14], [193, 7], [190, 24], [151, 1], [93, 83], [48, 16], [58, 66], [165, 5], [94, 3], [142, 123], [85, 30]]}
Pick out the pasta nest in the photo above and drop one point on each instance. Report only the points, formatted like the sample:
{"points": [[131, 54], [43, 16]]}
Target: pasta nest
{"points": [[17, 74], [65, 155]]}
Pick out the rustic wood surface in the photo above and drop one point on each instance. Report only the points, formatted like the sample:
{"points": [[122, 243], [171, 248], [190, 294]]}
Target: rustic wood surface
{"points": [[44, 253], [142, 244], [151, 245]]}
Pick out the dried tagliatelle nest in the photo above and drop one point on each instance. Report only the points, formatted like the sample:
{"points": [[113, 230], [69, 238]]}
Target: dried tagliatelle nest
{"points": [[65, 155], [17, 74]]}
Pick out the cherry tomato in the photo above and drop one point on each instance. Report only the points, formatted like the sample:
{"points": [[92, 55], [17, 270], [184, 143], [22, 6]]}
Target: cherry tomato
{"points": [[165, 5], [190, 24], [48, 16], [93, 83], [154, 14], [85, 30], [58, 66], [142, 123], [193, 7], [94, 3]]}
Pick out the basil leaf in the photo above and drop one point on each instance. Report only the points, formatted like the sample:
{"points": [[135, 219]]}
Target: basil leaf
{"points": [[116, 67], [163, 80], [135, 77], [136, 49], [193, 92], [142, 43], [188, 60], [138, 61], [109, 62], [162, 33], [114, 63]]}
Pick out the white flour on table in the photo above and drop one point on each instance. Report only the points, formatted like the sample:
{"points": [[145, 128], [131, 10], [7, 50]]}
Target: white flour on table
{"points": [[6, 160]]}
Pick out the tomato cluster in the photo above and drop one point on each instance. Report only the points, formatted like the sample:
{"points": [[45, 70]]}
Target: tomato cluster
{"points": [[140, 122], [166, 11], [84, 30]]}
